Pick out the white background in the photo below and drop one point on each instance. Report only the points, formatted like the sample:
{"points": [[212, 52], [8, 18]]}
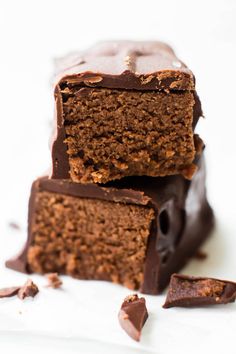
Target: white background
{"points": [[32, 33]]}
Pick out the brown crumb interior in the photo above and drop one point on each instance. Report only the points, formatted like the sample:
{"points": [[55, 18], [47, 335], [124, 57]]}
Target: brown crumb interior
{"points": [[89, 238], [210, 287], [117, 133], [202, 288]]}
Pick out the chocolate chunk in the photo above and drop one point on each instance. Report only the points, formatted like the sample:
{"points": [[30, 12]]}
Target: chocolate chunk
{"points": [[29, 289], [135, 232], [54, 281], [133, 315], [187, 291], [200, 255], [9, 292], [126, 114]]}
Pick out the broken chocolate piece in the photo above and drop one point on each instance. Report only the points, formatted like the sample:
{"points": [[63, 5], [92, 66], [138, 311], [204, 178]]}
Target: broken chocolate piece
{"points": [[29, 289], [187, 291], [54, 281], [133, 315], [136, 232], [9, 292], [132, 112]]}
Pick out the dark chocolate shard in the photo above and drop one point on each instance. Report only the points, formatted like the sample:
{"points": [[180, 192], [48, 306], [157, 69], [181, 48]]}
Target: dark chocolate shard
{"points": [[29, 289], [54, 281], [133, 315], [188, 291], [9, 292]]}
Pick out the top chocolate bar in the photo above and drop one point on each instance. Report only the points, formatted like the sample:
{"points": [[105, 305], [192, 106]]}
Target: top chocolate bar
{"points": [[122, 109]]}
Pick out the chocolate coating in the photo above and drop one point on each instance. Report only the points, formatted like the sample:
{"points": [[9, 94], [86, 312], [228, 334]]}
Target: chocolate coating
{"points": [[149, 65], [183, 218]]}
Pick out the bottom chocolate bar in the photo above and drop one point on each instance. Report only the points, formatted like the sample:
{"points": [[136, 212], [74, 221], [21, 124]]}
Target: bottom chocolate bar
{"points": [[136, 232]]}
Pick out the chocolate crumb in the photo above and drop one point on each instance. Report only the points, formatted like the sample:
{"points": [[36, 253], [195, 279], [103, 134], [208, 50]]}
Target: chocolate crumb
{"points": [[9, 292], [14, 225], [200, 255], [29, 289], [54, 281], [189, 171], [131, 298]]}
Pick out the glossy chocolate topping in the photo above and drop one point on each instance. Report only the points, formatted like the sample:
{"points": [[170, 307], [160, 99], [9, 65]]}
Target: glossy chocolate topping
{"points": [[150, 65]]}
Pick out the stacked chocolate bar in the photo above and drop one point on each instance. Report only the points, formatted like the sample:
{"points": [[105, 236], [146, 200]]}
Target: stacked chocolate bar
{"points": [[126, 201]]}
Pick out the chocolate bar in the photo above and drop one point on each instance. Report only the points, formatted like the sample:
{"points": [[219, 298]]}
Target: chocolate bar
{"points": [[136, 232], [124, 109], [187, 291]]}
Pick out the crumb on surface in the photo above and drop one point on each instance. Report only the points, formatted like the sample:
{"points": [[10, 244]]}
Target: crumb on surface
{"points": [[29, 289], [131, 298], [53, 280]]}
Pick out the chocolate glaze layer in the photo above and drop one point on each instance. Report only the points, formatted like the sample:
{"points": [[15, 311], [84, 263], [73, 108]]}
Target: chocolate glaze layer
{"points": [[183, 218], [123, 65], [149, 65]]}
